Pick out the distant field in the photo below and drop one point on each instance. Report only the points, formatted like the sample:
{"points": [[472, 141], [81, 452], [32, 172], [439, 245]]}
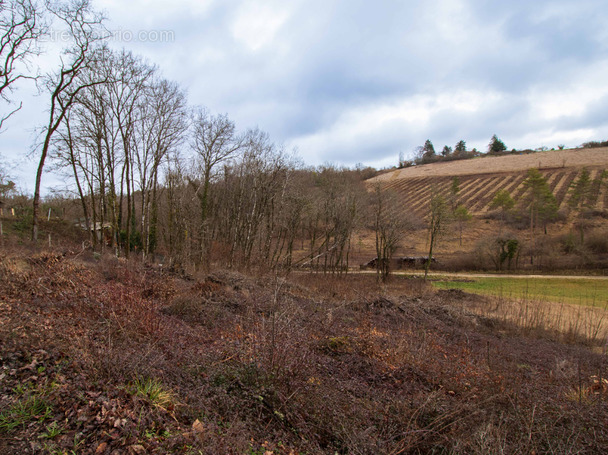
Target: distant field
{"points": [[481, 178], [550, 159], [585, 292]]}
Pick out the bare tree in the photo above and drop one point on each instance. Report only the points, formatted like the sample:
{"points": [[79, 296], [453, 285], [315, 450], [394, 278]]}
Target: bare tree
{"points": [[7, 186], [337, 214], [160, 129], [390, 222], [462, 216], [69, 152], [64, 85], [174, 220], [130, 79], [214, 140], [439, 218], [21, 26]]}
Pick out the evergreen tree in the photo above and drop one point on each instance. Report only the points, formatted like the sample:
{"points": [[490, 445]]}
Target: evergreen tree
{"points": [[542, 204], [496, 145], [460, 147], [428, 152], [583, 193], [503, 201], [580, 191]]}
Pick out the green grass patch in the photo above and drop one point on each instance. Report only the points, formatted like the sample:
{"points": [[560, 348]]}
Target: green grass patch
{"points": [[154, 391], [27, 409], [574, 291]]}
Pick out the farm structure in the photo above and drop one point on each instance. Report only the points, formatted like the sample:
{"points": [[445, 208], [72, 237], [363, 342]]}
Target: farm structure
{"points": [[399, 263]]}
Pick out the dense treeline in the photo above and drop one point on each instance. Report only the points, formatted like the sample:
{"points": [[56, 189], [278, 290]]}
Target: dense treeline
{"points": [[162, 176], [154, 174], [426, 153]]}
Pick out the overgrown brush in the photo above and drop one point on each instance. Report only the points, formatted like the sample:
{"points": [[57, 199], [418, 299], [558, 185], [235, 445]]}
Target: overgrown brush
{"points": [[310, 364]]}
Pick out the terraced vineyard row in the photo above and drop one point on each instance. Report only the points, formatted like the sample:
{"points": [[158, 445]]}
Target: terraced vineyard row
{"points": [[477, 191]]}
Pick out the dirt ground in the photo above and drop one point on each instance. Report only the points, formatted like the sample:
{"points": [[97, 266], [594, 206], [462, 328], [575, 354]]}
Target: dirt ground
{"points": [[510, 163]]}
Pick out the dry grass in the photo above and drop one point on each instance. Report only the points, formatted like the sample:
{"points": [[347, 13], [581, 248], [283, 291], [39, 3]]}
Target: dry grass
{"points": [[568, 322], [576, 158], [130, 359]]}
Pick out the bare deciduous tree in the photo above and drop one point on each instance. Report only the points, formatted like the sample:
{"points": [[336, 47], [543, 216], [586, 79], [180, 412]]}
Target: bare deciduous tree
{"points": [[130, 77], [21, 26], [64, 85], [159, 130], [439, 218], [214, 140], [390, 222]]}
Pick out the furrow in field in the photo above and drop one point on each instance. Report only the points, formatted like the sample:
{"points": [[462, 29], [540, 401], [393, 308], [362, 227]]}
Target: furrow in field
{"points": [[508, 184], [561, 192], [480, 190], [412, 192], [519, 179], [552, 179], [595, 175], [476, 185], [441, 186], [466, 183], [519, 191], [484, 201]]}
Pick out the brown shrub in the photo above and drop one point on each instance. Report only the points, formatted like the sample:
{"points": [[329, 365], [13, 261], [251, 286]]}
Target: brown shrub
{"points": [[317, 364]]}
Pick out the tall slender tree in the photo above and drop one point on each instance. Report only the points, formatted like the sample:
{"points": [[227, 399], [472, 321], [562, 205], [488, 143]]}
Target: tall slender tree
{"points": [[438, 220], [214, 140], [160, 129], [541, 204], [84, 25], [390, 222]]}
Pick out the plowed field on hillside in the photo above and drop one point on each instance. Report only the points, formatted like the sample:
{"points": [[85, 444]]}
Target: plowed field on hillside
{"points": [[481, 178]]}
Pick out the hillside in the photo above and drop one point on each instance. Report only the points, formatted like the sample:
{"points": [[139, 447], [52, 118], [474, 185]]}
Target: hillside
{"points": [[551, 159], [103, 356], [480, 178]]}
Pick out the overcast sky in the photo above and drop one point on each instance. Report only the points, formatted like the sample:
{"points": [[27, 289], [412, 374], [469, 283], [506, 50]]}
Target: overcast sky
{"points": [[357, 81]]}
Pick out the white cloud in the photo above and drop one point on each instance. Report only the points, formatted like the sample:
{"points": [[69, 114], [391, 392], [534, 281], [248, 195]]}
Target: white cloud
{"points": [[147, 11], [551, 138], [408, 117], [573, 98], [257, 23]]}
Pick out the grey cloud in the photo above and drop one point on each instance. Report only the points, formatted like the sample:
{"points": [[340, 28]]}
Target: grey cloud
{"points": [[595, 116], [332, 58]]}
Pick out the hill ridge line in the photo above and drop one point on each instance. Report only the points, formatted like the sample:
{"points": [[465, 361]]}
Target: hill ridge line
{"points": [[511, 163]]}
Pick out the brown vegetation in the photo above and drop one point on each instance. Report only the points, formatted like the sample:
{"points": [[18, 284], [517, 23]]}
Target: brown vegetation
{"points": [[101, 355]]}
